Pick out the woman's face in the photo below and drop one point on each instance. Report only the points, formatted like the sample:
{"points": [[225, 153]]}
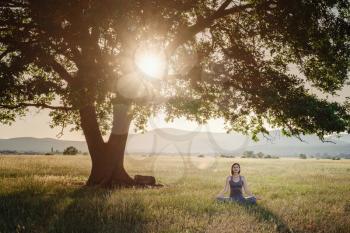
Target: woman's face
{"points": [[235, 168]]}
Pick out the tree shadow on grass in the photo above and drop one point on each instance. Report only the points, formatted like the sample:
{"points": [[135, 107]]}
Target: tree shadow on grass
{"points": [[82, 210], [28, 210], [265, 215], [91, 211]]}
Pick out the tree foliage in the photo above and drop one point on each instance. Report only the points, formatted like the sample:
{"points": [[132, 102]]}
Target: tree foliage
{"points": [[229, 59]]}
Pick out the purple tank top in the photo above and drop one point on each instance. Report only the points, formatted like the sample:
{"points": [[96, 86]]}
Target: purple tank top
{"points": [[236, 187]]}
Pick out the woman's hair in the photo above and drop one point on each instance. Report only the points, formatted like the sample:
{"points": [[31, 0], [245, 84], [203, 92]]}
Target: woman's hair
{"points": [[238, 166]]}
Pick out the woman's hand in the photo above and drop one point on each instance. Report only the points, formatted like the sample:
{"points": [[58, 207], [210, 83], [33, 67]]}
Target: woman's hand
{"points": [[257, 198], [220, 195]]}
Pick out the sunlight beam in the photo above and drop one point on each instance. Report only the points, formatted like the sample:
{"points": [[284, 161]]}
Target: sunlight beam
{"points": [[150, 63]]}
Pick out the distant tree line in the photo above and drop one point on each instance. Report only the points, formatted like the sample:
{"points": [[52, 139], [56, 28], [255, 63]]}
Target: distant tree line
{"points": [[259, 155], [14, 152], [304, 156], [71, 150]]}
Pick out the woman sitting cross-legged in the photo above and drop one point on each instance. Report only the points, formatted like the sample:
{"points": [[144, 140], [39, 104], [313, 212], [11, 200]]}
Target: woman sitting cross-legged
{"points": [[236, 183]]}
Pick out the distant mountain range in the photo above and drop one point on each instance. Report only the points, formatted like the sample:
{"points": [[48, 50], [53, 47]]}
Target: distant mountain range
{"points": [[174, 141]]}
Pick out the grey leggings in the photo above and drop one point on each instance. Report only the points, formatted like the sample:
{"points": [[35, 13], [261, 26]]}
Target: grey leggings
{"points": [[243, 200]]}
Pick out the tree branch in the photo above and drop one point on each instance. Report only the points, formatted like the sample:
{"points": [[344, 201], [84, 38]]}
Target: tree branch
{"points": [[58, 68], [35, 105], [224, 5], [7, 51], [190, 31], [43, 59], [13, 5]]}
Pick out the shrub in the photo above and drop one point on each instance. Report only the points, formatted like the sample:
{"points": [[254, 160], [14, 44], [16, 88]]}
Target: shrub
{"points": [[249, 154], [71, 150], [227, 156]]}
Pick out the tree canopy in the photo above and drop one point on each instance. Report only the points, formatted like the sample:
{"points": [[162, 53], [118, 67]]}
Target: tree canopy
{"points": [[229, 59]]}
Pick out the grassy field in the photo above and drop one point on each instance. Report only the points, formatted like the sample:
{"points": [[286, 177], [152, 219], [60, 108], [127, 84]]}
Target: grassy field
{"points": [[46, 194]]}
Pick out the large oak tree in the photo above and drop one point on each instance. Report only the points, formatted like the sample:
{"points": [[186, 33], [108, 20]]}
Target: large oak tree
{"points": [[230, 59]]}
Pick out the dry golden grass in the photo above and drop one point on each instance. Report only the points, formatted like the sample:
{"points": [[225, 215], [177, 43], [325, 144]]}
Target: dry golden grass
{"points": [[46, 194]]}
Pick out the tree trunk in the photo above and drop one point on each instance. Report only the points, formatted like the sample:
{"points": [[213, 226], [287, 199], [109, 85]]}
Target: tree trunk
{"points": [[107, 158]]}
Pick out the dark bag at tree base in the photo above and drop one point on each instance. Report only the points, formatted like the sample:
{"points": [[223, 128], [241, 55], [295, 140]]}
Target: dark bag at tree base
{"points": [[146, 180]]}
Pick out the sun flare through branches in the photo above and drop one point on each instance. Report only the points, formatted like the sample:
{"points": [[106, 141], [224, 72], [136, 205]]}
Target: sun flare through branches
{"points": [[152, 64]]}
